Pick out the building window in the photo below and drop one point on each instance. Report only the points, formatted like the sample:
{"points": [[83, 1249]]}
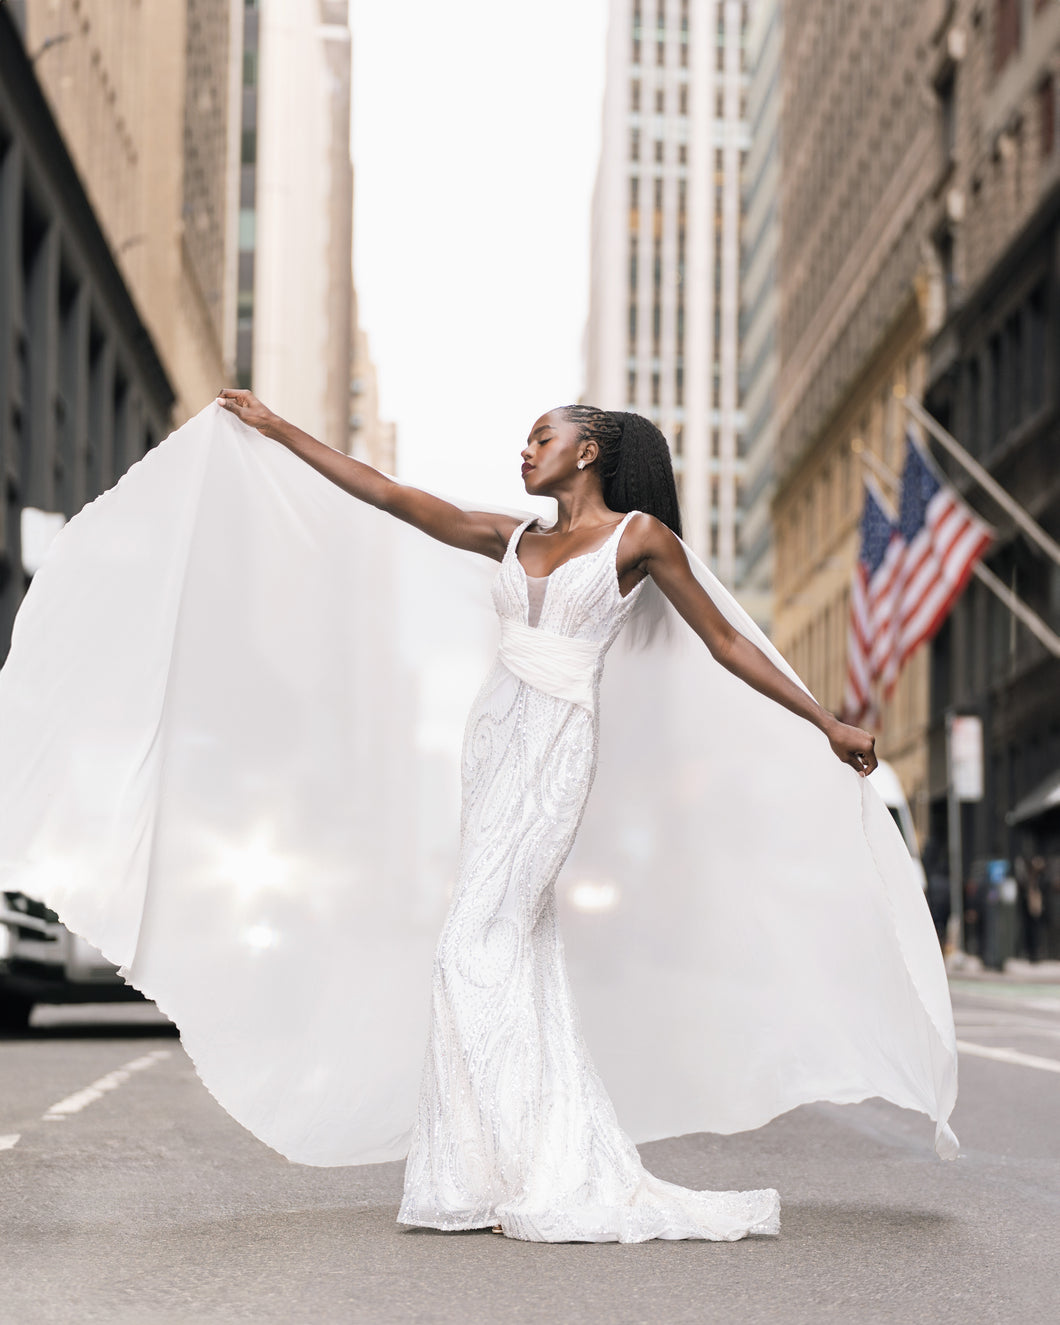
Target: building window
{"points": [[632, 264], [945, 93], [1007, 34], [944, 252], [1047, 116], [655, 388], [682, 154], [658, 150], [679, 385], [634, 144], [632, 327], [658, 194], [974, 406], [1037, 348], [719, 58], [634, 197], [1014, 367], [679, 439], [682, 99], [994, 399], [631, 387], [660, 101], [634, 94], [719, 104]]}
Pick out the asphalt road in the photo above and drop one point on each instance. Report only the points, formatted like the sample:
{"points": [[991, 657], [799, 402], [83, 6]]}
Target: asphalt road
{"points": [[128, 1196]]}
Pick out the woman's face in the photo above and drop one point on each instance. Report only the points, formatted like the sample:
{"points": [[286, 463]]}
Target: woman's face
{"points": [[551, 454]]}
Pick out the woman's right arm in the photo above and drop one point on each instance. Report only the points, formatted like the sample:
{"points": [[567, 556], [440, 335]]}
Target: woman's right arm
{"points": [[476, 531]]}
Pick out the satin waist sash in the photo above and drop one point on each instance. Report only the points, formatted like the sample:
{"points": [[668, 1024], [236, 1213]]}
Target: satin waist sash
{"points": [[556, 664]]}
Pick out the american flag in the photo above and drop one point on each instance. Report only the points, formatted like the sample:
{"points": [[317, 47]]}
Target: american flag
{"points": [[873, 573], [942, 540], [908, 574]]}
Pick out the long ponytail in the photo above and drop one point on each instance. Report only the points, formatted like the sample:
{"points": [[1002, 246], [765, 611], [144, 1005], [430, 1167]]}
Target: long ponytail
{"points": [[635, 467]]}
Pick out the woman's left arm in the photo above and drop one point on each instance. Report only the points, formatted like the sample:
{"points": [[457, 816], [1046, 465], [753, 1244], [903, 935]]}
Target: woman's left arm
{"points": [[656, 550]]}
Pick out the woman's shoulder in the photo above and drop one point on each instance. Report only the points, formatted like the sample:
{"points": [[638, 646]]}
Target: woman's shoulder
{"points": [[648, 531]]}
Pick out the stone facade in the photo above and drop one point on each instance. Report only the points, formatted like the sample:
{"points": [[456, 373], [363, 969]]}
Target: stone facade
{"points": [[83, 392], [992, 379], [859, 283], [142, 95]]}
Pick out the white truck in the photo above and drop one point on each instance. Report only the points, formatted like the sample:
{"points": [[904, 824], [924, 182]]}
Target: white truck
{"points": [[885, 780]]}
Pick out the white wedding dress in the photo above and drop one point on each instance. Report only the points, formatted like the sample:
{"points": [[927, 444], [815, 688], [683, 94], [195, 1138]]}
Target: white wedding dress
{"points": [[225, 733], [514, 1126]]}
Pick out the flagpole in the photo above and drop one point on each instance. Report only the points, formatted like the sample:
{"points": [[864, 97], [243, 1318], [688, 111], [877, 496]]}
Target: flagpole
{"points": [[955, 924], [948, 442], [1019, 609]]}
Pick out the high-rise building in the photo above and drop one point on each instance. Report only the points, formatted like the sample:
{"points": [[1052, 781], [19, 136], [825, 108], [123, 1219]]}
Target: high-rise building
{"points": [[83, 394], [372, 439], [759, 309], [992, 375], [299, 223], [859, 178], [662, 335], [143, 97]]}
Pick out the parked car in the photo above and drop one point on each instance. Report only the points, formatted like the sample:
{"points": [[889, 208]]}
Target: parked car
{"points": [[42, 962], [885, 780]]}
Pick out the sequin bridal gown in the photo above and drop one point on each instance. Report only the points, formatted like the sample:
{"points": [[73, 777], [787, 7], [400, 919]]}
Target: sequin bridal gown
{"points": [[514, 1126]]}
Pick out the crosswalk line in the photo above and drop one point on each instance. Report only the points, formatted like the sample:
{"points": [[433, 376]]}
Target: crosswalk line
{"points": [[1000, 1055]]}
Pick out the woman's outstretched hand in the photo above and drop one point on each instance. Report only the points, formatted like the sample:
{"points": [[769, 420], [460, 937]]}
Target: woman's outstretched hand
{"points": [[854, 746], [246, 406]]}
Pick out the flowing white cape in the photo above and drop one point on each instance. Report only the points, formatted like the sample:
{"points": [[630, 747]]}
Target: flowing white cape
{"points": [[222, 733]]}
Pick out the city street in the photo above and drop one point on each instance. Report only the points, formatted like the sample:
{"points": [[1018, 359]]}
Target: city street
{"points": [[130, 1197]]}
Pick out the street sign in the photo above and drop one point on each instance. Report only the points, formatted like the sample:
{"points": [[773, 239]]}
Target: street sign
{"points": [[966, 758]]}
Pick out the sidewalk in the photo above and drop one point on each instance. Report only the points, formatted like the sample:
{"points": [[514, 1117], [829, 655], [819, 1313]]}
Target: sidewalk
{"points": [[1018, 971]]}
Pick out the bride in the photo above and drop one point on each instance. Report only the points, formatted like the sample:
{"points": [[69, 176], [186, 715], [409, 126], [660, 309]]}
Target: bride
{"points": [[208, 768], [514, 1129]]}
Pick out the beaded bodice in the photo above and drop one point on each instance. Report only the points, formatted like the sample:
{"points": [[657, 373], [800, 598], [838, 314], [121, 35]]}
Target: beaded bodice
{"points": [[581, 598]]}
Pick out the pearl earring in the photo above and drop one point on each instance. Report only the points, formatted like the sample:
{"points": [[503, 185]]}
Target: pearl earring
{"points": [[581, 464]]}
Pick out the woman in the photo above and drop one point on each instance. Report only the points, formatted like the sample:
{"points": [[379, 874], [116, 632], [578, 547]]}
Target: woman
{"points": [[514, 1127], [203, 737]]}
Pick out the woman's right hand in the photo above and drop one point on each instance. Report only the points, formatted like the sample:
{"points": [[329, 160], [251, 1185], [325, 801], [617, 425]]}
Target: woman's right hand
{"points": [[247, 407]]}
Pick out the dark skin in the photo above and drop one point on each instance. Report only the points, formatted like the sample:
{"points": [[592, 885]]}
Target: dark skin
{"points": [[551, 468]]}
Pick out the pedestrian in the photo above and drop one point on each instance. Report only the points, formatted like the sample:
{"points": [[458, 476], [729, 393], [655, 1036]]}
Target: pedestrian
{"points": [[774, 952], [1052, 906], [1030, 873], [936, 870]]}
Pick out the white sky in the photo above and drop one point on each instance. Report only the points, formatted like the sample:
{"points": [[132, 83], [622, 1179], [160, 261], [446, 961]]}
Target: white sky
{"points": [[476, 129]]}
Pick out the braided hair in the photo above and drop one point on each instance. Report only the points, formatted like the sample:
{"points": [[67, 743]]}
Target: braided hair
{"points": [[635, 468]]}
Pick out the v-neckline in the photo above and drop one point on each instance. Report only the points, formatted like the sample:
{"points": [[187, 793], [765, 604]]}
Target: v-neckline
{"points": [[546, 580], [577, 556]]}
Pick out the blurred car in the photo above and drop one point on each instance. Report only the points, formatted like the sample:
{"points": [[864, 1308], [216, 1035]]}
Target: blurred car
{"points": [[42, 962], [885, 780]]}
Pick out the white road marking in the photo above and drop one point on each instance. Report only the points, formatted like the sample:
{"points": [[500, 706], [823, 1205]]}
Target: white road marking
{"points": [[1009, 1056], [8, 1142], [82, 1098]]}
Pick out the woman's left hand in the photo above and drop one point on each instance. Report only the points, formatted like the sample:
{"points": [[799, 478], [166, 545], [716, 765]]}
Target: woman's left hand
{"points": [[854, 746]]}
